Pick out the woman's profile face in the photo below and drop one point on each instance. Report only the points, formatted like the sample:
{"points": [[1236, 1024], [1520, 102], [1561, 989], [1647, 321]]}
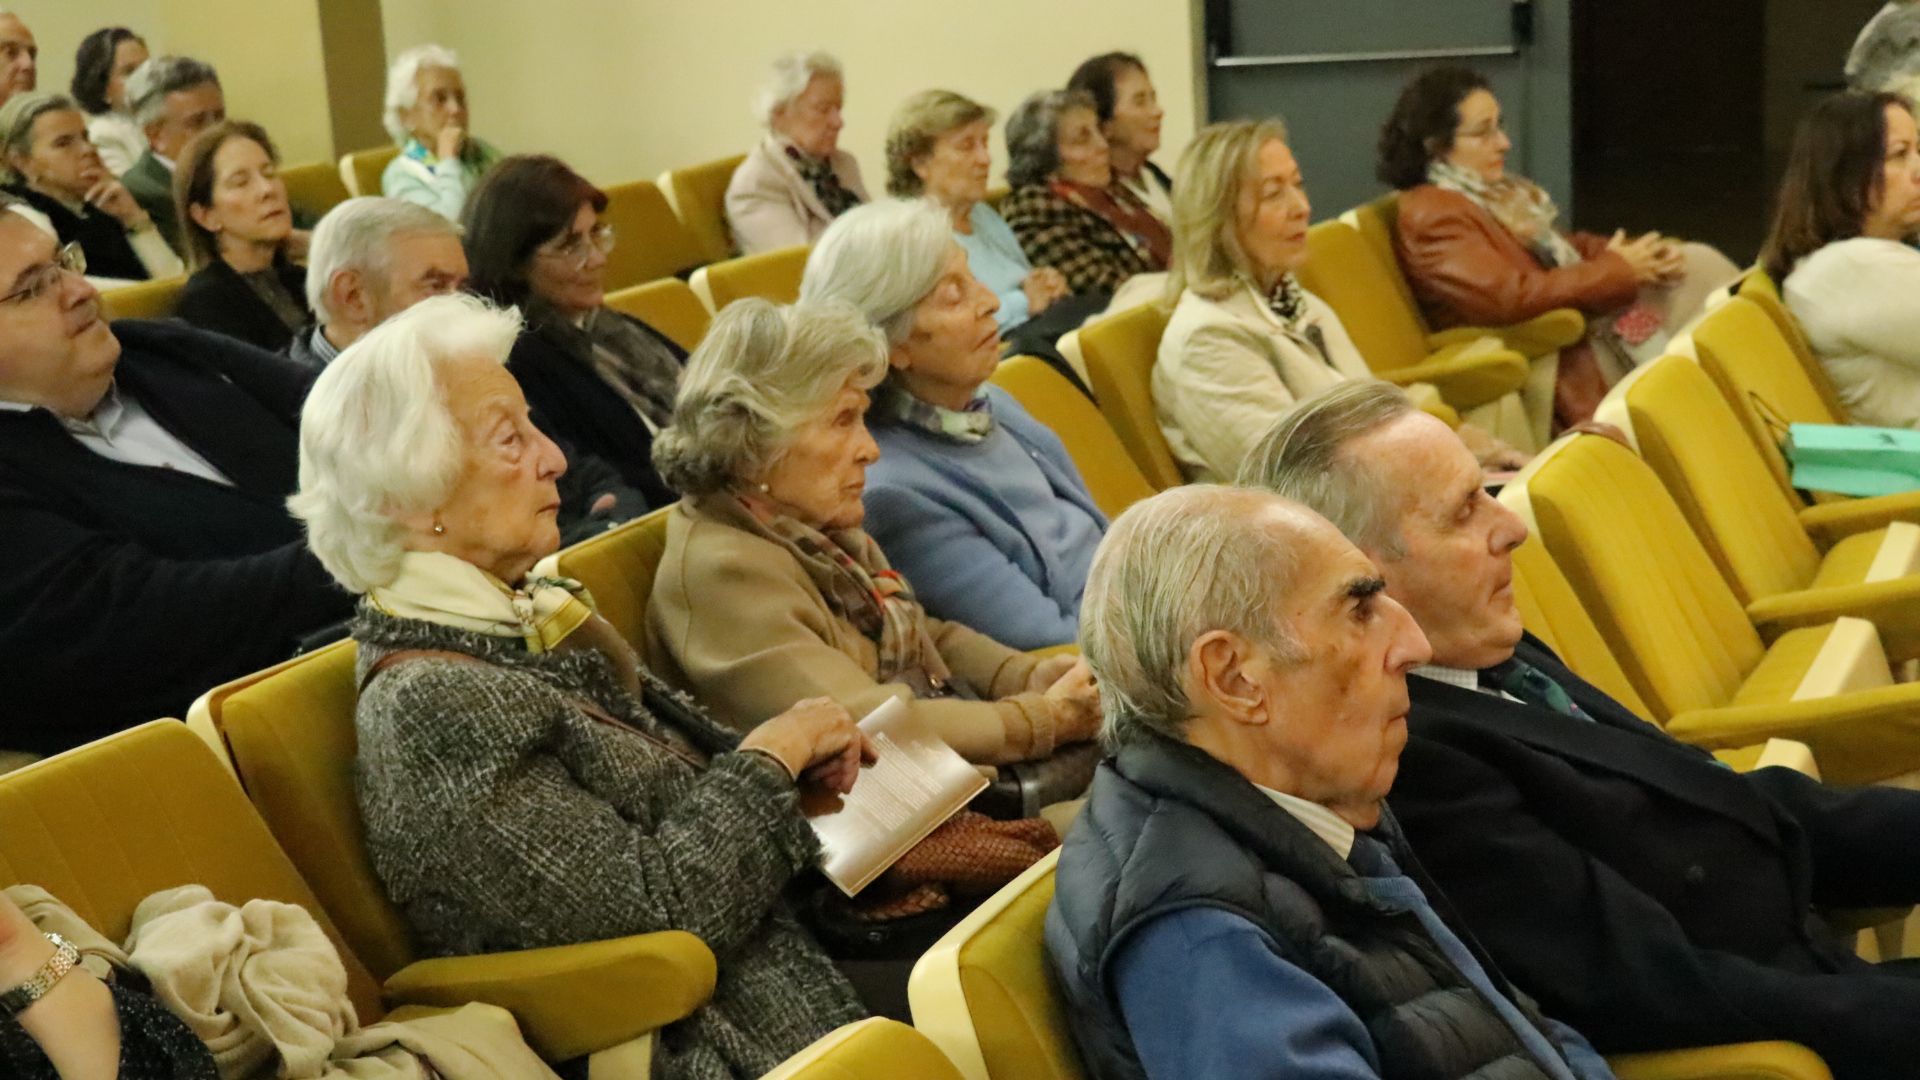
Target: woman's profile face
{"points": [[820, 477], [1272, 213], [569, 270], [442, 103], [955, 171], [1084, 158], [127, 55], [812, 118], [62, 160], [249, 200], [1895, 210], [1480, 144], [1135, 126], [955, 342]]}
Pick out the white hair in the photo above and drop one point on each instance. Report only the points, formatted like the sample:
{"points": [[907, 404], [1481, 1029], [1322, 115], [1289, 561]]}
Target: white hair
{"points": [[377, 437], [788, 79], [358, 235], [403, 91], [1173, 567], [883, 258], [151, 82]]}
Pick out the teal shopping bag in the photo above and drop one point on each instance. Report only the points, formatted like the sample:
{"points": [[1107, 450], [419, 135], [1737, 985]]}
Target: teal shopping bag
{"points": [[1853, 460]]}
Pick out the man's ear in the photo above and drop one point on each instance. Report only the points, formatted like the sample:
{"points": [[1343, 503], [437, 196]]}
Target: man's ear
{"points": [[347, 294], [1222, 671]]}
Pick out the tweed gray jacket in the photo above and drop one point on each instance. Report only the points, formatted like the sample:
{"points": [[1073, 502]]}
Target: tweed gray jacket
{"points": [[499, 817]]}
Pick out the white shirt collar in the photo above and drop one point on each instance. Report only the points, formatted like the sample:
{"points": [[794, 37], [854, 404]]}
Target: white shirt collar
{"points": [[1325, 824], [164, 160], [1460, 677]]}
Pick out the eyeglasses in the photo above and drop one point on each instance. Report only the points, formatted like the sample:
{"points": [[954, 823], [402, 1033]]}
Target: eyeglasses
{"points": [[40, 279], [1488, 131], [578, 247]]}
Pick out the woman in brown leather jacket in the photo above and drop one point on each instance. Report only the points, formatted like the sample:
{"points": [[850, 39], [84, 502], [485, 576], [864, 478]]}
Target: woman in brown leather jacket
{"points": [[1480, 247]]}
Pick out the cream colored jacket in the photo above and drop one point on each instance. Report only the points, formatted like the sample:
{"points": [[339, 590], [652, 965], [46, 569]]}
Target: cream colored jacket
{"points": [[771, 206]]}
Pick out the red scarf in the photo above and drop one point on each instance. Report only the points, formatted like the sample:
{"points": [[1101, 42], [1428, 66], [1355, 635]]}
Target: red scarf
{"points": [[1123, 210]]}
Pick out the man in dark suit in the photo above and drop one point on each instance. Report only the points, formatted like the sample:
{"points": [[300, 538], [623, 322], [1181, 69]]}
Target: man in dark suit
{"points": [[1642, 892], [146, 553], [173, 98]]}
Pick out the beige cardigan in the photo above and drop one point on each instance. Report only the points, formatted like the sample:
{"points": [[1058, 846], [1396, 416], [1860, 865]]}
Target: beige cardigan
{"points": [[771, 206], [737, 621]]}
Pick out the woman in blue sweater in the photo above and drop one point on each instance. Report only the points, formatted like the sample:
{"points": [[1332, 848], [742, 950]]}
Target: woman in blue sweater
{"points": [[974, 501]]}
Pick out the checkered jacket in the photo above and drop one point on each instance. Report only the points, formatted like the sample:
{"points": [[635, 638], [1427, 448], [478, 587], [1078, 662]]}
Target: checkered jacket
{"points": [[1093, 255]]}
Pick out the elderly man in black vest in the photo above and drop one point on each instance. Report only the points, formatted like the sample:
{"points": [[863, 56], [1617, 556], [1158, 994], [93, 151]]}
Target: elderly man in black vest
{"points": [[1638, 889], [1234, 901]]}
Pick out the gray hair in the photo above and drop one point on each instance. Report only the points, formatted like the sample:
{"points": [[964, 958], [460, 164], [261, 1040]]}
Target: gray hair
{"points": [[1302, 458], [377, 437], [151, 82], [761, 373], [358, 235], [883, 258], [17, 118], [1173, 567], [403, 92], [788, 79], [1033, 134]]}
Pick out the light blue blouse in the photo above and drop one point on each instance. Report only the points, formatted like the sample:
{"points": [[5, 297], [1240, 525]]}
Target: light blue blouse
{"points": [[994, 256]]}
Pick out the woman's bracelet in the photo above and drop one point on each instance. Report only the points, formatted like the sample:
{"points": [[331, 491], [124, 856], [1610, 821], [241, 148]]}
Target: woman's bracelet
{"points": [[65, 956]]}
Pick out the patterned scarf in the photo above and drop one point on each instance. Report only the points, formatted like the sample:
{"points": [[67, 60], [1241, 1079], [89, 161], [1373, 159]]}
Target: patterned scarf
{"points": [[439, 588], [966, 427], [854, 578], [1130, 217], [1516, 202], [819, 173], [1288, 302], [634, 363]]}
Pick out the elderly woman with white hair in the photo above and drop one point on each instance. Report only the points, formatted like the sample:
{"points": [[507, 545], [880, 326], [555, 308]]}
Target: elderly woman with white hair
{"points": [[426, 113], [769, 586], [979, 502], [524, 782], [792, 186]]}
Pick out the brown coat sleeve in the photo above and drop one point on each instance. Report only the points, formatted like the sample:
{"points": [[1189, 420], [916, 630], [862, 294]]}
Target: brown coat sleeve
{"points": [[1467, 269]]}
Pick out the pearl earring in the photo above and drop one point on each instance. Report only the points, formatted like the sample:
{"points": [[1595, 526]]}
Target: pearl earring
{"points": [[764, 489], [439, 529]]}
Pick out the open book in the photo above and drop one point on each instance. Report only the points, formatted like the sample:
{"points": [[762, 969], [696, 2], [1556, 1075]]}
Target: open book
{"points": [[915, 786]]}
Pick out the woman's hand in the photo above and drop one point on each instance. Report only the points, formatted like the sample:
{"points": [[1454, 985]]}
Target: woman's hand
{"points": [[1493, 453], [1648, 255], [75, 1023], [112, 197], [1075, 700], [818, 741], [1048, 671], [22, 948], [1043, 287], [450, 141]]}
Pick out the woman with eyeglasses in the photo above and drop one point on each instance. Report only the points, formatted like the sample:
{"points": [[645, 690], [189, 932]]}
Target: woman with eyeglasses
{"points": [[1480, 245], [594, 377]]}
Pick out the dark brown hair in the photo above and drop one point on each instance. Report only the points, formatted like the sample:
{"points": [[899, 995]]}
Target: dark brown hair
{"points": [[1098, 76], [93, 67], [1833, 175], [1423, 122], [193, 183], [521, 203]]}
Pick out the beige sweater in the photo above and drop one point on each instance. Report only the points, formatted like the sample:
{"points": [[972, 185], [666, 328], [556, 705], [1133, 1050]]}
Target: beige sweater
{"points": [[734, 619]]}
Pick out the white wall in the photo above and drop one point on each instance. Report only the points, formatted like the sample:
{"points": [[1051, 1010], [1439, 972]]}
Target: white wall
{"points": [[624, 89]]}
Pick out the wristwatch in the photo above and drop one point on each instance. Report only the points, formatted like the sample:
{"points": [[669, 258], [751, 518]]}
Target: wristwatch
{"points": [[65, 956]]}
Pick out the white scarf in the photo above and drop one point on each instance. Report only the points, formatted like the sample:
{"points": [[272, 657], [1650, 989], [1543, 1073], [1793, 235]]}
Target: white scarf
{"points": [[440, 588]]}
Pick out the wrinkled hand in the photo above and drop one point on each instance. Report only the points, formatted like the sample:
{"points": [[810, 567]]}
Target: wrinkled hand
{"points": [[1646, 254], [297, 244], [1048, 671], [1075, 700], [1493, 454], [1043, 287], [818, 741], [112, 197], [450, 141]]}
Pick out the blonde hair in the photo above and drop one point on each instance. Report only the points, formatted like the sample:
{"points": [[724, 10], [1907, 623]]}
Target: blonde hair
{"points": [[916, 126], [1217, 164]]}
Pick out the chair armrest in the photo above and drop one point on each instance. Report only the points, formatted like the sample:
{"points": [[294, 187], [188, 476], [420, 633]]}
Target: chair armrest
{"points": [[1853, 920], [1893, 607], [1465, 382], [1736, 1061], [572, 999], [1532, 339], [1830, 522], [1857, 738]]}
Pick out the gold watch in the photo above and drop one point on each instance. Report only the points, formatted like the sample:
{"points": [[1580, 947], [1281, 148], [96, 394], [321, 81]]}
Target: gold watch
{"points": [[65, 956]]}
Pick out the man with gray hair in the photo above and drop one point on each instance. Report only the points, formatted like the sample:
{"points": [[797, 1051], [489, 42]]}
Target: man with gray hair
{"points": [[19, 57], [173, 98], [1667, 902], [372, 258], [1231, 903]]}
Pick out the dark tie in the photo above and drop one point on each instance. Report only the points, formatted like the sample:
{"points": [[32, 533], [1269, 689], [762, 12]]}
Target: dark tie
{"points": [[1533, 686]]}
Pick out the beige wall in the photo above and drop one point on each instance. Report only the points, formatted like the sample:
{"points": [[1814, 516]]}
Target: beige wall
{"points": [[625, 89]]}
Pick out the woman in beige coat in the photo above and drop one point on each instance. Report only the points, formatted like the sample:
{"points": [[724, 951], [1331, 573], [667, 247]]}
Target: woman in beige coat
{"points": [[770, 589], [797, 180]]}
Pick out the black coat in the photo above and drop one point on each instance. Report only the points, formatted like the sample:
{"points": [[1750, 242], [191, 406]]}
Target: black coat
{"points": [[217, 298], [109, 252], [1649, 897], [129, 590]]}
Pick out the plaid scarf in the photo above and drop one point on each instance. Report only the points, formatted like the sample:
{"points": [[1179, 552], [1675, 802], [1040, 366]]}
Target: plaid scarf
{"points": [[1129, 217], [1519, 204], [965, 427], [1288, 302], [825, 181]]}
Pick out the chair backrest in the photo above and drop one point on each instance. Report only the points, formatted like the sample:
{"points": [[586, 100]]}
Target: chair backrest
{"points": [[997, 195], [770, 275], [983, 993], [1688, 433], [667, 305], [1550, 608], [1342, 269], [871, 1049], [292, 739], [147, 300], [104, 826], [1379, 224], [1758, 287], [649, 241], [1113, 480], [315, 188], [360, 171], [699, 196], [1120, 351], [1668, 616], [617, 567], [1742, 350]]}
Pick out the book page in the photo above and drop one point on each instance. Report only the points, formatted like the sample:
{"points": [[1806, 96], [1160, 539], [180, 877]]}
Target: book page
{"points": [[916, 784]]}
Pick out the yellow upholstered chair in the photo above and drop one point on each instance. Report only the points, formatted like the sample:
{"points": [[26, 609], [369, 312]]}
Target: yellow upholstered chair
{"points": [[699, 196], [1784, 574], [1552, 611], [997, 195], [315, 188], [1120, 351], [649, 241], [1758, 287], [292, 741], [667, 305], [872, 1049], [1113, 480], [1742, 349], [1686, 642], [770, 275], [360, 171], [146, 300], [617, 567]]}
